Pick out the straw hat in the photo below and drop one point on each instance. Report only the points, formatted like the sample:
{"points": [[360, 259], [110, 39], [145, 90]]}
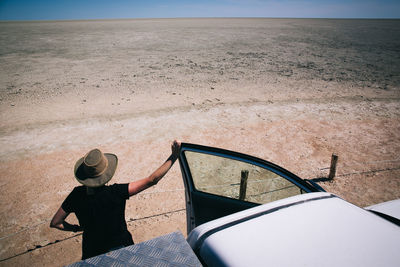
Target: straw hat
{"points": [[95, 168]]}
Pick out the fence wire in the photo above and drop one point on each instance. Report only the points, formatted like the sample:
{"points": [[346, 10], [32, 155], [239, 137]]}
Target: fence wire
{"points": [[180, 210]]}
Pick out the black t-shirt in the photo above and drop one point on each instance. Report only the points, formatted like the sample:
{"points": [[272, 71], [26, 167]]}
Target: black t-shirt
{"points": [[102, 217]]}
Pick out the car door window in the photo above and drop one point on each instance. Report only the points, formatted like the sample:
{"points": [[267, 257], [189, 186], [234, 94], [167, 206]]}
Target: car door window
{"points": [[222, 176]]}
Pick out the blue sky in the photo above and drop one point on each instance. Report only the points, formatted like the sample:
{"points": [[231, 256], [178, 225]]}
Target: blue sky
{"points": [[110, 9]]}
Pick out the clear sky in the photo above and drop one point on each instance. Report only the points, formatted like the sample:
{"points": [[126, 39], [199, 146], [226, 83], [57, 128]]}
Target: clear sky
{"points": [[114, 9]]}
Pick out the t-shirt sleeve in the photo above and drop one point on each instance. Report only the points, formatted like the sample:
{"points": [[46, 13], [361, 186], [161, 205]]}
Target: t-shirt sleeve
{"points": [[121, 190], [69, 203]]}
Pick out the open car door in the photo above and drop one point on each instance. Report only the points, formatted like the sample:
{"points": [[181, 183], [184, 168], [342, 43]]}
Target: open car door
{"points": [[220, 182]]}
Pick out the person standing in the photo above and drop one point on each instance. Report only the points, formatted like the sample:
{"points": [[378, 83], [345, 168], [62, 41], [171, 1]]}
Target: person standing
{"points": [[100, 209]]}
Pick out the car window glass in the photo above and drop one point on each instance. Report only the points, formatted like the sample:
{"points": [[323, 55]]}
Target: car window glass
{"points": [[222, 176]]}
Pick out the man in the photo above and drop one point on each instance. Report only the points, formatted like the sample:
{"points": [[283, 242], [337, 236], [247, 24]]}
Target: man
{"points": [[100, 209]]}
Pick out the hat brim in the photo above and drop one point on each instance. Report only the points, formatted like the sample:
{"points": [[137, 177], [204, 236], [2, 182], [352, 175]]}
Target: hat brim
{"points": [[83, 178]]}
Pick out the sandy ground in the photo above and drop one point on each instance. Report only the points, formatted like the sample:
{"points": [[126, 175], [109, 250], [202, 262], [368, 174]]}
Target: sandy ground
{"points": [[289, 91]]}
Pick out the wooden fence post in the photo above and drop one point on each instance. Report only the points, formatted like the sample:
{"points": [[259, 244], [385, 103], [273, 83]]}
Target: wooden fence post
{"points": [[332, 171], [243, 184]]}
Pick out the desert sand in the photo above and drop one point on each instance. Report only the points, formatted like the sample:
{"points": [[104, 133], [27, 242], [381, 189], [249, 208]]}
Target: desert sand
{"points": [[290, 91]]}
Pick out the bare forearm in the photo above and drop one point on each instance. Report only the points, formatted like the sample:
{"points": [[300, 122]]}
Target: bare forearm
{"points": [[158, 174], [59, 222], [64, 226], [140, 185]]}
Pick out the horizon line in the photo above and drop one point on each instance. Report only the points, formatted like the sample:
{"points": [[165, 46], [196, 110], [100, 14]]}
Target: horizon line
{"points": [[150, 18]]}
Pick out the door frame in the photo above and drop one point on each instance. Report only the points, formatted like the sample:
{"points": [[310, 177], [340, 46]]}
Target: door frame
{"points": [[232, 205]]}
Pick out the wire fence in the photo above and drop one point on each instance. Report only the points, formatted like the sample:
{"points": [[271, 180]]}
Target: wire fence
{"points": [[181, 210], [73, 236], [361, 166]]}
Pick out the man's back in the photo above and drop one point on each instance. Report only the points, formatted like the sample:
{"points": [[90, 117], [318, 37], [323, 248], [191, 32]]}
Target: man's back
{"points": [[102, 217]]}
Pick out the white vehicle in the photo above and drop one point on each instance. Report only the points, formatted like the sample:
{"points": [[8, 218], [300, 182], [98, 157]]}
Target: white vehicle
{"points": [[244, 211], [316, 229], [298, 224]]}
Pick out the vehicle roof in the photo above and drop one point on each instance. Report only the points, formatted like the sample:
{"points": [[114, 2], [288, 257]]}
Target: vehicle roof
{"points": [[315, 229], [391, 208]]}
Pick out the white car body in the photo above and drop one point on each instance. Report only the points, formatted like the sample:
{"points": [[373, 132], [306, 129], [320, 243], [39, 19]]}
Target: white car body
{"points": [[315, 229], [391, 208]]}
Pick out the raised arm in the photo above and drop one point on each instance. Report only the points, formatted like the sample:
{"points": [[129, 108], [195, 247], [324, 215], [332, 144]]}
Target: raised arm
{"points": [[140, 185]]}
